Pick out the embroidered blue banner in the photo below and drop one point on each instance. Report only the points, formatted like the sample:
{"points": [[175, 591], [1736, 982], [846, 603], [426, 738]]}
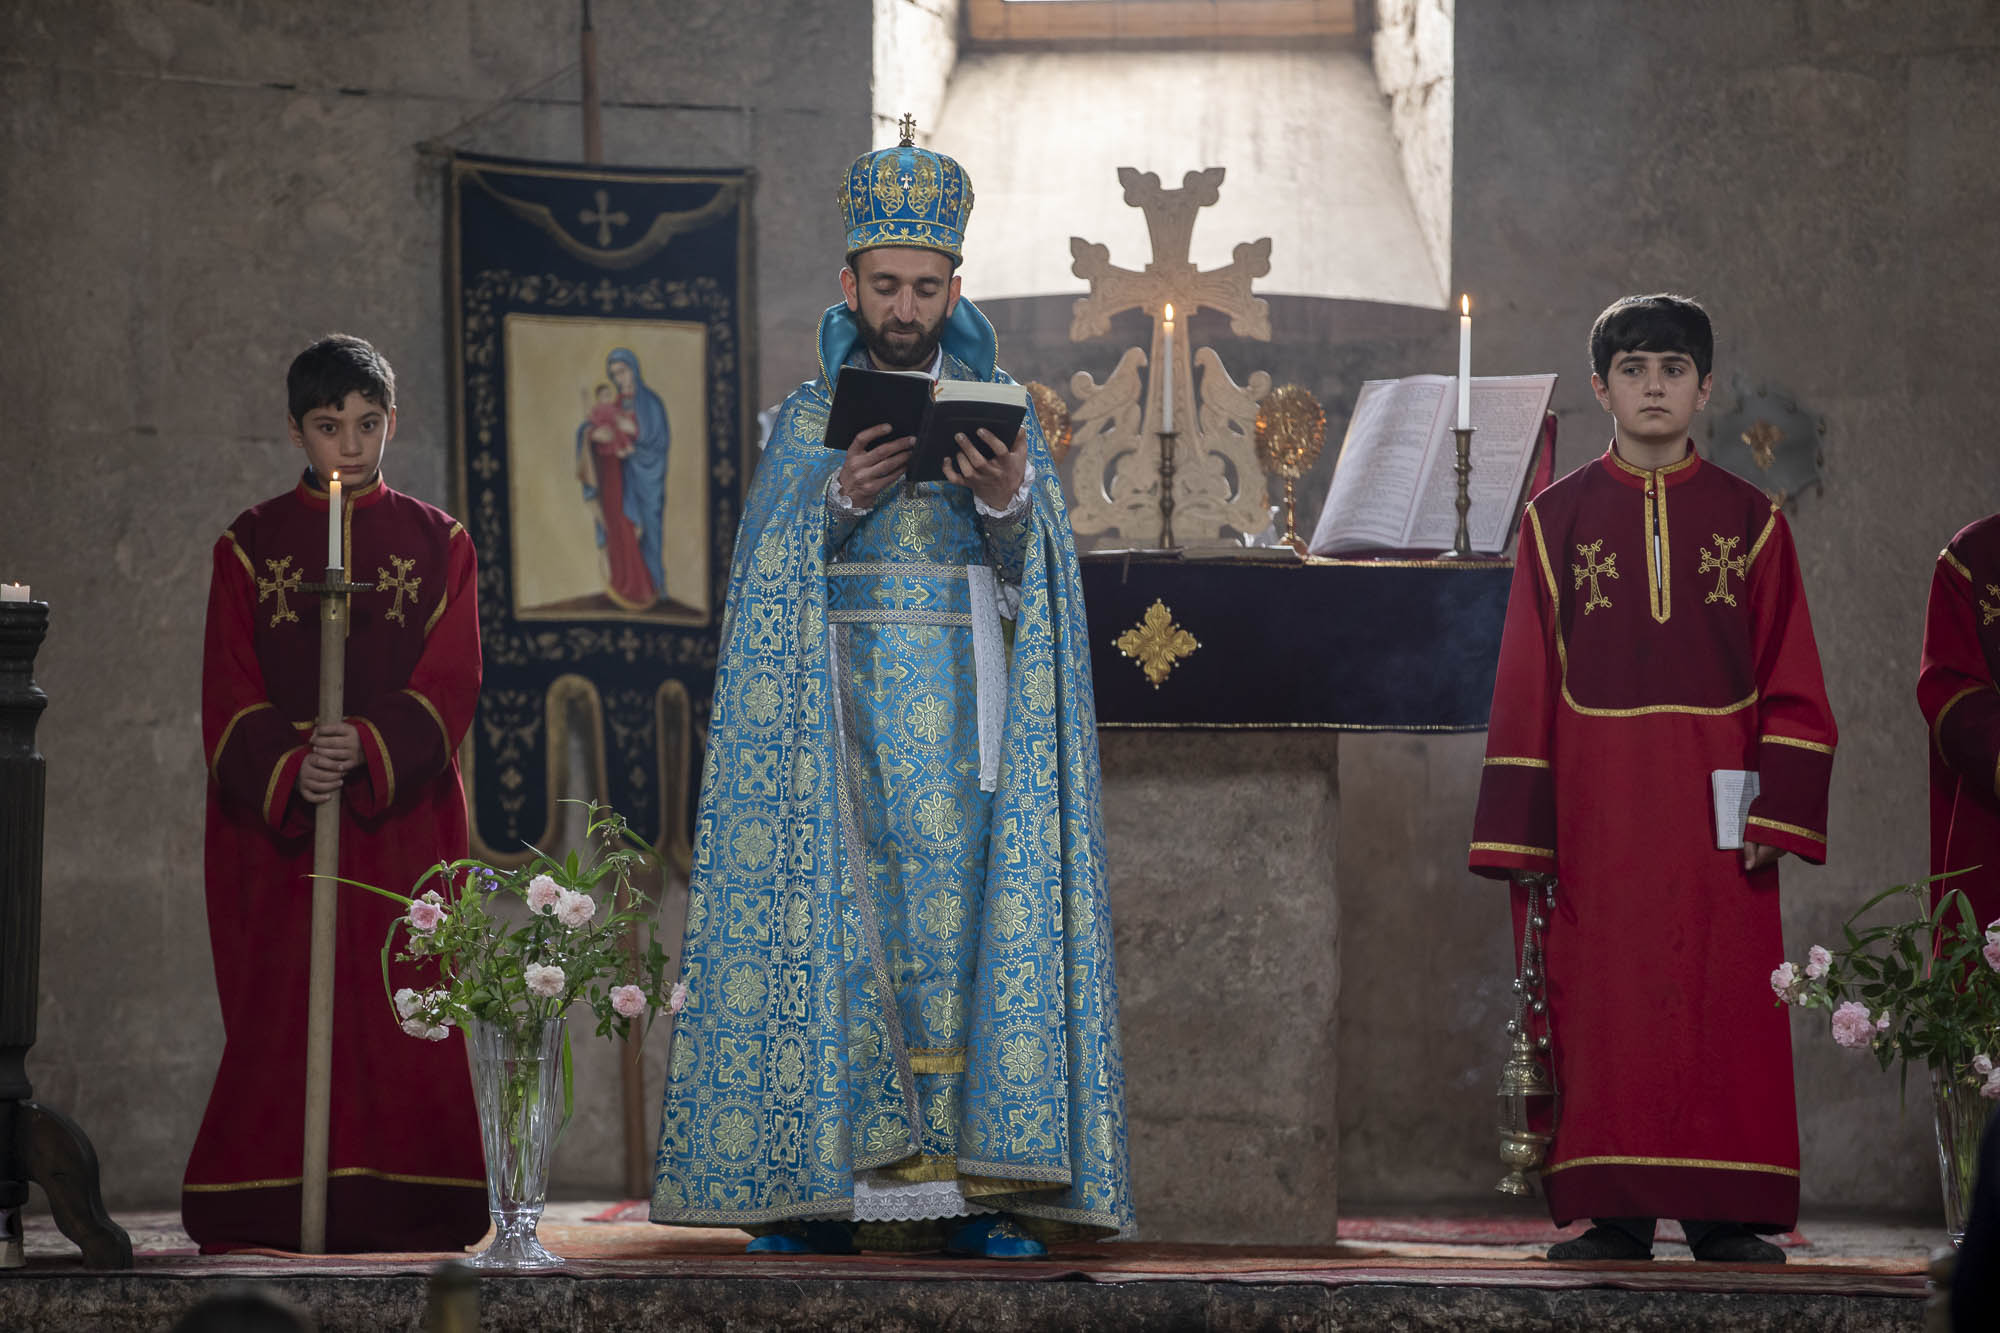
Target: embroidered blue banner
{"points": [[601, 357]]}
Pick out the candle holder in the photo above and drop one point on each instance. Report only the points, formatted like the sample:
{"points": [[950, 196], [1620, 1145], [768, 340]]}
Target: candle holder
{"points": [[37, 1142], [1461, 541], [1167, 489]]}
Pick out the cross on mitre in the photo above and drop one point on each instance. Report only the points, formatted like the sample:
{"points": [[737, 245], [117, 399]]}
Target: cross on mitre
{"points": [[907, 127]]}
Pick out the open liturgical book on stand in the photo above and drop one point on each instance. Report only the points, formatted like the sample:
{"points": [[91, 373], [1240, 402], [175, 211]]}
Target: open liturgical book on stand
{"points": [[1395, 486], [935, 412]]}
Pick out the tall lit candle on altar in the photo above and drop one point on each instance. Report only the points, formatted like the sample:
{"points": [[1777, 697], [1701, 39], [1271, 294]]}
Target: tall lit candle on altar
{"points": [[1167, 380], [333, 554], [1464, 361]]}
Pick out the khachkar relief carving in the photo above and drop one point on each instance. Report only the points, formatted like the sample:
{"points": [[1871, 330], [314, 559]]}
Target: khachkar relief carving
{"points": [[1218, 484]]}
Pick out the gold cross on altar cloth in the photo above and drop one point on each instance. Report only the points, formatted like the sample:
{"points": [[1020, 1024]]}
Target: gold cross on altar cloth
{"points": [[1723, 566], [400, 584], [283, 579], [1590, 569], [1156, 643]]}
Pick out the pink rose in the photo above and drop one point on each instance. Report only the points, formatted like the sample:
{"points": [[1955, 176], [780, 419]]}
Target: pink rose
{"points": [[1991, 1088], [546, 982], [575, 909], [1818, 961], [1992, 952], [1882, 1023], [425, 915], [1851, 1024], [628, 1001], [678, 1000], [1783, 978], [1982, 1065], [542, 894]]}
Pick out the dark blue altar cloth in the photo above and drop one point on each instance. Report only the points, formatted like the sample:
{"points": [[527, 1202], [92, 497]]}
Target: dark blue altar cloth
{"points": [[1339, 645]]}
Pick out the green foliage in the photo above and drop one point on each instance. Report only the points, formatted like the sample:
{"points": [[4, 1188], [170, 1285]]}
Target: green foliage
{"points": [[481, 949], [1926, 972]]}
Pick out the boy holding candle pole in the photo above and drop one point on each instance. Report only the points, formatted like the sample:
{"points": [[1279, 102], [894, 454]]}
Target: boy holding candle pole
{"points": [[405, 1164], [1656, 634]]}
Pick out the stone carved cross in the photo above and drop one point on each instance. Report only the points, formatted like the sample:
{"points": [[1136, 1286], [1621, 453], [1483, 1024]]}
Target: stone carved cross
{"points": [[604, 219], [1218, 483]]}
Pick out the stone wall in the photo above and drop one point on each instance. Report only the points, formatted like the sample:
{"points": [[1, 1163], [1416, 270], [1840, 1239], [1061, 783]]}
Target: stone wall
{"points": [[915, 45], [1413, 63], [194, 192]]}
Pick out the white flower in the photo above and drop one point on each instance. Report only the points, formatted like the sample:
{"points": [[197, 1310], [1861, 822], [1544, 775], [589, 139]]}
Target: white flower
{"points": [[417, 1027], [1991, 1088], [575, 909], [542, 894], [407, 1002], [546, 982], [1982, 1066], [1783, 978], [1818, 961]]}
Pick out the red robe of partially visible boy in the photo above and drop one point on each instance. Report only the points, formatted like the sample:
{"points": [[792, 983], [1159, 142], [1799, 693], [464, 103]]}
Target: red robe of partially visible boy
{"points": [[1956, 691], [1657, 632], [405, 1164]]}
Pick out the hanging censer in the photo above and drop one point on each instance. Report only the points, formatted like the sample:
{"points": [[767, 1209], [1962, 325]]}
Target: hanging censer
{"points": [[1524, 1077]]}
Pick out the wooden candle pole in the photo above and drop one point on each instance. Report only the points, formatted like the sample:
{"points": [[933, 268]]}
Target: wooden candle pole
{"points": [[325, 915]]}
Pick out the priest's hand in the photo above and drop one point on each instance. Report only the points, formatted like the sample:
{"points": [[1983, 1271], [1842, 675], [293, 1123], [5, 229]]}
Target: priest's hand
{"points": [[870, 467], [1757, 855], [996, 480]]}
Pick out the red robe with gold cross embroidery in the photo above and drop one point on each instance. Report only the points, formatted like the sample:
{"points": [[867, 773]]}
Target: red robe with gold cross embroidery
{"points": [[1657, 631], [406, 1170], [1955, 689]]}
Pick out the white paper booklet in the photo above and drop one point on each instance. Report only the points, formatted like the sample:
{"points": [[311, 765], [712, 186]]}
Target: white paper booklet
{"points": [[1394, 485], [1734, 789]]}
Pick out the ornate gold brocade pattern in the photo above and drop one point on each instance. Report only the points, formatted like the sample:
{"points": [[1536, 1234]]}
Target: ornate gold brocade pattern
{"points": [[1593, 570], [283, 579], [1722, 566]]}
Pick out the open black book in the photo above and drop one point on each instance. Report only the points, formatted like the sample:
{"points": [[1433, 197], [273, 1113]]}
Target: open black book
{"points": [[934, 411]]}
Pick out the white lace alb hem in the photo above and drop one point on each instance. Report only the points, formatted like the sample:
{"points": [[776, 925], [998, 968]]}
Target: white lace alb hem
{"points": [[895, 1201]]}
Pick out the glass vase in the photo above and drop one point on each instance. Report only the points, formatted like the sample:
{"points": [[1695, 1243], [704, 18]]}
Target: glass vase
{"points": [[517, 1081], [1961, 1119]]}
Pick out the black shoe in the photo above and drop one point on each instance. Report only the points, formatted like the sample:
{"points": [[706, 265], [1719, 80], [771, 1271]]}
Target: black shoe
{"points": [[1737, 1246], [1601, 1243]]}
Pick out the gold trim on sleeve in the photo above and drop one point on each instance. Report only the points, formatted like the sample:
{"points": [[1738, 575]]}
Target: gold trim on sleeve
{"points": [[948, 1060], [436, 615], [215, 759], [1704, 1163], [1770, 526], [1815, 746], [457, 530], [1548, 571], [388, 764], [1957, 564], [1514, 848], [271, 787], [1515, 761], [443, 731], [1795, 830], [1937, 727], [241, 554]]}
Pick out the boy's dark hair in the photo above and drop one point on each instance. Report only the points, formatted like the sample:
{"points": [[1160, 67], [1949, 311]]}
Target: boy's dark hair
{"points": [[1661, 322], [335, 366]]}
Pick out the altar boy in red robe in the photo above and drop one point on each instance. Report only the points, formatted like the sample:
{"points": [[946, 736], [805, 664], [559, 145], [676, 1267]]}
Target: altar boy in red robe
{"points": [[405, 1165], [1955, 689], [1657, 632]]}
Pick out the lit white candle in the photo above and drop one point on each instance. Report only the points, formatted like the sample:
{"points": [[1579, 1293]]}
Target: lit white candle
{"points": [[1167, 378], [13, 592], [333, 553], [1464, 361]]}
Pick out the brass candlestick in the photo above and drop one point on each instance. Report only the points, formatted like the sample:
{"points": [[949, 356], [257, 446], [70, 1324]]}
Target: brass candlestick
{"points": [[1461, 542], [1166, 489], [1524, 1077], [1291, 429]]}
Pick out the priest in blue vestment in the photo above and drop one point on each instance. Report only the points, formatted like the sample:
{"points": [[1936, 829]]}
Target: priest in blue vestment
{"points": [[901, 1006]]}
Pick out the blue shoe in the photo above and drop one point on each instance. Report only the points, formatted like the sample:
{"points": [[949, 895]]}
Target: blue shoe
{"points": [[994, 1237], [823, 1237]]}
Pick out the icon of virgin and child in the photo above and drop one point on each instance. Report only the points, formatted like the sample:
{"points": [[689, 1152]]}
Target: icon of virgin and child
{"points": [[621, 459]]}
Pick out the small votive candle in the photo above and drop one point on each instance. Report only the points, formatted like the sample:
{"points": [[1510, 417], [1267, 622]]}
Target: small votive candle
{"points": [[13, 592]]}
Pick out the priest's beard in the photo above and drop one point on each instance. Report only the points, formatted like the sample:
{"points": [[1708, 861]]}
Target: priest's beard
{"points": [[905, 352]]}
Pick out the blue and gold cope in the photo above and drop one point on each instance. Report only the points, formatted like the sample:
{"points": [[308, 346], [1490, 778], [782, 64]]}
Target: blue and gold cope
{"points": [[888, 968], [906, 196]]}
